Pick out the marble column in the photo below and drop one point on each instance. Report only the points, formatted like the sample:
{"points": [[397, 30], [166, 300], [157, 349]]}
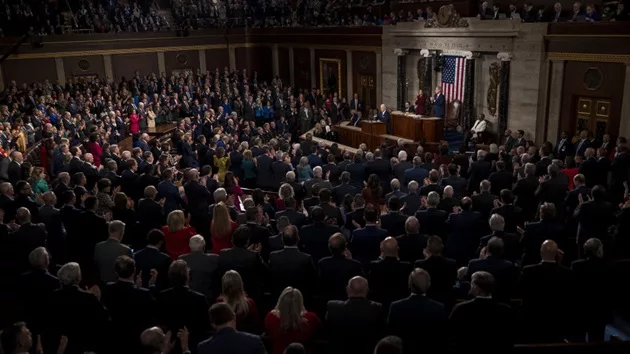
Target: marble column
{"points": [[61, 72], [379, 78], [469, 94], [275, 60], [504, 90], [291, 68], [349, 76], [162, 63], [1, 79], [109, 68], [401, 79], [232, 57], [202, 61], [555, 99], [313, 68], [624, 125]]}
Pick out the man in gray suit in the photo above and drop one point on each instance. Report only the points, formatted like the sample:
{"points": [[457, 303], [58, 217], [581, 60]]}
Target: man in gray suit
{"points": [[203, 267], [106, 252]]}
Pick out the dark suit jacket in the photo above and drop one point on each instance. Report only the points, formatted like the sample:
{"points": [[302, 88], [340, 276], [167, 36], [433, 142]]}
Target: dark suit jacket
{"points": [[199, 198], [535, 234], [296, 218], [420, 322], [394, 223], [458, 183], [27, 238], [151, 258], [479, 170], [365, 243], [411, 246], [334, 273], [264, 174], [399, 172], [14, 172], [389, 279], [511, 245], [412, 203], [500, 180], [512, 215], [357, 174], [247, 263], [483, 203], [203, 273], [354, 325], [230, 341], [464, 232], [432, 221], [594, 279], [290, 267], [504, 273], [314, 239], [471, 319], [417, 174], [524, 190], [594, 218], [340, 191], [181, 307], [439, 106], [34, 288], [443, 272], [541, 166]]}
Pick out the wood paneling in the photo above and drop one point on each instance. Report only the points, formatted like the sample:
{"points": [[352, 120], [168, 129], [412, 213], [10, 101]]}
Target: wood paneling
{"points": [[302, 67], [283, 64], [29, 71], [364, 66], [188, 59], [88, 65], [332, 54], [611, 88], [255, 59], [217, 58], [125, 65]]}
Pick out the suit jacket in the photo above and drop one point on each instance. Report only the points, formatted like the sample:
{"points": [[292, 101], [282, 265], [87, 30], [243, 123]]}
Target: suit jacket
{"points": [[394, 223], [594, 218], [357, 174], [512, 215], [291, 267], [308, 185], [535, 234], [432, 221], [443, 272], [230, 341], [295, 217], [439, 106], [14, 172], [420, 322], [504, 273], [581, 146], [563, 149], [465, 229], [389, 279], [181, 307], [589, 169], [417, 174], [354, 325], [471, 319], [314, 239], [458, 183], [169, 191], [203, 272], [264, 174], [365, 243], [340, 191], [524, 190], [105, 255], [411, 246], [479, 170], [199, 198], [151, 258], [500, 180], [431, 187], [398, 171], [34, 289], [541, 166], [595, 279], [333, 275], [483, 203], [412, 203], [247, 263]]}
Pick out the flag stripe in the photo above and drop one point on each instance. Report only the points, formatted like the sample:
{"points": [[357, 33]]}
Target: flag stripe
{"points": [[453, 74]]}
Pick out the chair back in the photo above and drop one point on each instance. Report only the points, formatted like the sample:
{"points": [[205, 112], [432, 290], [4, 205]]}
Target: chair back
{"points": [[453, 114]]}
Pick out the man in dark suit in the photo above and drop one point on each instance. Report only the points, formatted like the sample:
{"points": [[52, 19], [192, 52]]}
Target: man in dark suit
{"points": [[27, 238], [512, 215], [182, 307], [418, 320], [264, 174], [199, 199], [603, 167], [582, 144], [393, 221], [401, 166], [524, 190], [318, 179], [395, 190], [456, 181], [491, 261], [364, 242], [432, 219], [545, 161], [335, 271], [14, 171], [479, 171], [535, 233], [169, 191], [594, 273], [333, 213], [573, 200], [439, 103], [203, 267], [107, 252], [465, 228], [150, 258], [411, 243], [356, 104], [484, 202], [388, 274], [295, 218], [131, 308], [417, 173], [258, 233], [547, 286], [594, 216], [564, 147], [314, 238], [511, 245], [340, 191], [226, 338], [501, 179], [383, 116], [355, 325], [246, 261], [290, 266], [471, 319], [357, 172], [553, 189], [443, 271], [433, 185], [380, 167]]}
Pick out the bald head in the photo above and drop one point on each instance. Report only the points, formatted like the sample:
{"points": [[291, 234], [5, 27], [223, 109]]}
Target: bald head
{"points": [[153, 340], [549, 251], [389, 247], [357, 287]]}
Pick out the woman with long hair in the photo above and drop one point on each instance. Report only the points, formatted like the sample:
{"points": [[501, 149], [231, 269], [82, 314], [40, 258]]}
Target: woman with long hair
{"points": [[373, 192], [95, 149], [233, 294], [284, 192], [38, 181], [289, 322], [570, 169], [177, 233], [105, 202], [123, 211], [221, 228], [230, 183], [249, 169], [222, 163], [304, 170]]}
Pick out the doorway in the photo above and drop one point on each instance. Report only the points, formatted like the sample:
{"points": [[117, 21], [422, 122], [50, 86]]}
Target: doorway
{"points": [[592, 114]]}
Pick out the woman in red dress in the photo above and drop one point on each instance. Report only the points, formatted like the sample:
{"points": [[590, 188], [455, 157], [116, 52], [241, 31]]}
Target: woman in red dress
{"points": [[134, 122], [221, 228], [289, 322], [233, 294], [95, 149], [177, 234], [373, 192], [421, 99]]}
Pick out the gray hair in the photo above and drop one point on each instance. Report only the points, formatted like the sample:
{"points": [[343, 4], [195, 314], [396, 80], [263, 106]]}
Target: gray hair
{"points": [[6, 187], [413, 186], [39, 258], [290, 176], [497, 222], [285, 191], [197, 243], [116, 228], [65, 177], [317, 172], [412, 225], [220, 195], [395, 184], [448, 191], [525, 158], [70, 274], [484, 186], [149, 192], [433, 199], [402, 155], [493, 148], [530, 169], [369, 156], [481, 154]]}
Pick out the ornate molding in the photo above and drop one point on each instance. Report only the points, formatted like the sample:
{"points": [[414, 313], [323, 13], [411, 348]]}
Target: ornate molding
{"points": [[504, 56], [425, 53], [590, 57], [459, 53], [491, 95], [446, 17], [400, 52]]}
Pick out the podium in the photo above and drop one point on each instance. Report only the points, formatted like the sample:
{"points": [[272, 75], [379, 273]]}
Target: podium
{"points": [[416, 127], [372, 131]]}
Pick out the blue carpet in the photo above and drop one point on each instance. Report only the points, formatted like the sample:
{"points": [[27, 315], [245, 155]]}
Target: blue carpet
{"points": [[454, 139]]}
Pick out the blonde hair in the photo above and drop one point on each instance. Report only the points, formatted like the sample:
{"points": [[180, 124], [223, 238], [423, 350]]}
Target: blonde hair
{"points": [[221, 222], [232, 292], [175, 220], [285, 191], [247, 155], [290, 309]]}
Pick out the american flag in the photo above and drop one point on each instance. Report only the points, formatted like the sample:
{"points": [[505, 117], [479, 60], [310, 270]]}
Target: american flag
{"points": [[453, 72]]}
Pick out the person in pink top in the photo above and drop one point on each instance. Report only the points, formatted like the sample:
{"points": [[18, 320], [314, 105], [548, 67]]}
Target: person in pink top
{"points": [[134, 122]]}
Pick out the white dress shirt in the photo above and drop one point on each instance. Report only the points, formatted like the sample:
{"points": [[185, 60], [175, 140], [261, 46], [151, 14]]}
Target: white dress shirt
{"points": [[480, 126]]}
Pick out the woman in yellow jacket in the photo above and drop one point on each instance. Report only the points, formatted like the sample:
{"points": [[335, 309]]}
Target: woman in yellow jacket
{"points": [[222, 163]]}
